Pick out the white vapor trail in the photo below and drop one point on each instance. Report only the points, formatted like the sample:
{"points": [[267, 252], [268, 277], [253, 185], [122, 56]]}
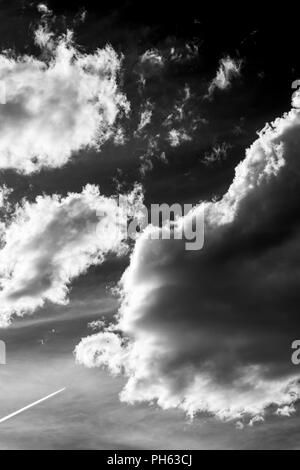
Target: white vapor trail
{"points": [[31, 405]]}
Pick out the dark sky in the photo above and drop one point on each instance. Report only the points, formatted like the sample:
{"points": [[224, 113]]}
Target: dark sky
{"points": [[215, 317]]}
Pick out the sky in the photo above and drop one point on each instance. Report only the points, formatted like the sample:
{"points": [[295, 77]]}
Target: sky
{"points": [[158, 347]]}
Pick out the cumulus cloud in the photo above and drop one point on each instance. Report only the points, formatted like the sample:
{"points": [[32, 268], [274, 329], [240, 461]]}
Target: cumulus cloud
{"points": [[49, 242], [221, 352], [59, 104], [228, 69]]}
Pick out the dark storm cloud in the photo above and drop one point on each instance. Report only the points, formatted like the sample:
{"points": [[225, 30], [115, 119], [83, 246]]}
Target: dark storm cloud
{"points": [[212, 330]]}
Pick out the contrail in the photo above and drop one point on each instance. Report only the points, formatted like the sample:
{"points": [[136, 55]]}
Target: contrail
{"points": [[31, 405]]}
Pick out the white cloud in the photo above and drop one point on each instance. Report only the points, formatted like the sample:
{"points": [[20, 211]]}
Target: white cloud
{"points": [[42, 8], [177, 136], [146, 116], [119, 137], [44, 38], [51, 241], [153, 57], [4, 193], [178, 112], [184, 54], [287, 410], [218, 153], [239, 425], [256, 419], [96, 325], [58, 105], [212, 354], [228, 69], [152, 152], [101, 349]]}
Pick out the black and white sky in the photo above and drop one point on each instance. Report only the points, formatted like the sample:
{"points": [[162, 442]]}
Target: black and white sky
{"points": [[158, 347]]}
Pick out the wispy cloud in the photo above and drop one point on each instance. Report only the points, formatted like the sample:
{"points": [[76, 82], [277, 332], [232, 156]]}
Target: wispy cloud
{"points": [[228, 69]]}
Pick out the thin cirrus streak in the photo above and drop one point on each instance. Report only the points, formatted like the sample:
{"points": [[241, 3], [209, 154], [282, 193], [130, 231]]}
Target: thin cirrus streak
{"points": [[31, 405]]}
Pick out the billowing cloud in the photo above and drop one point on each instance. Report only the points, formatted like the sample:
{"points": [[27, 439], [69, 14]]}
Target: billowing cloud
{"points": [[49, 242], [228, 69], [57, 105], [227, 351]]}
